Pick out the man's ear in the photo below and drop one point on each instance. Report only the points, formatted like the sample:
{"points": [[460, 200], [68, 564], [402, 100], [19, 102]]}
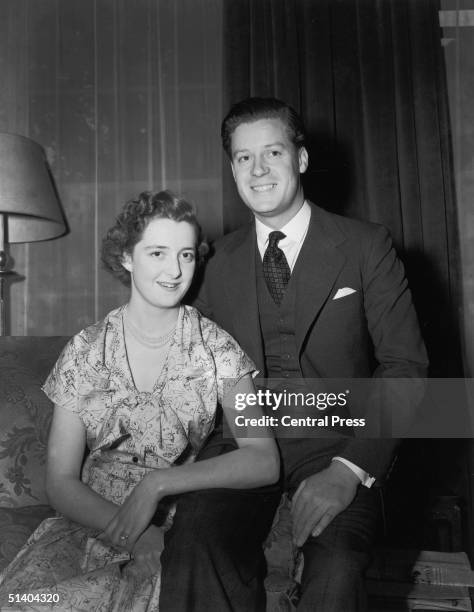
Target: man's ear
{"points": [[232, 168], [303, 159], [127, 261]]}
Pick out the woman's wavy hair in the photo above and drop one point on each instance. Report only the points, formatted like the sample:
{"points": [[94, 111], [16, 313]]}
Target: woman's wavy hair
{"points": [[133, 220]]}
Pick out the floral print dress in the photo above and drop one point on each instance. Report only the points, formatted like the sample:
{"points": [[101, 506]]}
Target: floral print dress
{"points": [[129, 433]]}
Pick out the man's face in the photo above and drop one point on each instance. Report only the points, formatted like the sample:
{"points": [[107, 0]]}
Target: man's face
{"points": [[266, 166]]}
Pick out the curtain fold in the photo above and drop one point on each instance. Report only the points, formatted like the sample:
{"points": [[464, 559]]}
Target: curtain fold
{"points": [[368, 79]]}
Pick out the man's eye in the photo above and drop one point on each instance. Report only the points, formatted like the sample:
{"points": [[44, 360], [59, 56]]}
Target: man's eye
{"points": [[241, 159], [273, 153], [156, 253]]}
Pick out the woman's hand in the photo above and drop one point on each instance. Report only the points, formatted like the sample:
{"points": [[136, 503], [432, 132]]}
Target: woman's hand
{"points": [[146, 552], [136, 512]]}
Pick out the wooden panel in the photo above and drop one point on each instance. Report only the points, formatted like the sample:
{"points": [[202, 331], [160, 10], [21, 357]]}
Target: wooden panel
{"points": [[69, 130], [458, 46], [123, 123], [14, 119], [188, 82], [459, 56], [124, 96], [42, 275]]}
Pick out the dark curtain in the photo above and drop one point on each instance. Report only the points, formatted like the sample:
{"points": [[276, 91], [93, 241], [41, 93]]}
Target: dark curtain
{"points": [[368, 78]]}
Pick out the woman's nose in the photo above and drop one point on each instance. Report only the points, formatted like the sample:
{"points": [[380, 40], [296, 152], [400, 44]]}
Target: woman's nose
{"points": [[174, 268]]}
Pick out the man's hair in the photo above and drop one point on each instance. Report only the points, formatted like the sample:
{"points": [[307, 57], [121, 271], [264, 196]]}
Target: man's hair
{"points": [[134, 219], [253, 109]]}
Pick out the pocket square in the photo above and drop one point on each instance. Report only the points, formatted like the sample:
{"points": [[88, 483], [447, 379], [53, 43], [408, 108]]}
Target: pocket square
{"points": [[340, 293]]}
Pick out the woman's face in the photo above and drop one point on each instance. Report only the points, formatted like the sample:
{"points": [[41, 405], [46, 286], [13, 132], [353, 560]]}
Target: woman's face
{"points": [[162, 263]]}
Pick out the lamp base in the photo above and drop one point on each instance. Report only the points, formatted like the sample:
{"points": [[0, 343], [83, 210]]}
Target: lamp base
{"points": [[6, 276]]}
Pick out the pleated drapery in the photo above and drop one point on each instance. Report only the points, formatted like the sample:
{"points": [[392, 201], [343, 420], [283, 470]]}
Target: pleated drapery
{"points": [[368, 78]]}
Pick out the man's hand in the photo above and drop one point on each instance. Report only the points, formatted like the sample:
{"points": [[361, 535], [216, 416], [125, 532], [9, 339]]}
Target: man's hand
{"points": [[320, 498], [134, 515]]}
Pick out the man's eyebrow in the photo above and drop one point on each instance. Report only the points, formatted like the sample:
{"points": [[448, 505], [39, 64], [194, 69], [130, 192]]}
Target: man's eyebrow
{"points": [[266, 146]]}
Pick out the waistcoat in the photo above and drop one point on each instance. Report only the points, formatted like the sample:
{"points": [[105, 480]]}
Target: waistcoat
{"points": [[278, 328]]}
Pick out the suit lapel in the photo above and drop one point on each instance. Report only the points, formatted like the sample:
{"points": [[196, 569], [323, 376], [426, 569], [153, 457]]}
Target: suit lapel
{"points": [[241, 293], [316, 270], [318, 265]]}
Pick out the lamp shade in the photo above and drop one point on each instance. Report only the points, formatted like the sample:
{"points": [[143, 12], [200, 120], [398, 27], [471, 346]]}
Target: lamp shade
{"points": [[28, 199]]}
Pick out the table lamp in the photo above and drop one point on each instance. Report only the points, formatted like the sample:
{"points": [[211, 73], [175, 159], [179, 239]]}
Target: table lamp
{"points": [[29, 204]]}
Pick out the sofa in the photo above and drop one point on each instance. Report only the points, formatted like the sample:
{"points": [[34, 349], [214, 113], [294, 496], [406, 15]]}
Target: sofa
{"points": [[25, 414]]}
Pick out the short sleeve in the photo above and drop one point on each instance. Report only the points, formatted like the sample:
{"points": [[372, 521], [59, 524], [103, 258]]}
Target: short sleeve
{"points": [[231, 362], [61, 386]]}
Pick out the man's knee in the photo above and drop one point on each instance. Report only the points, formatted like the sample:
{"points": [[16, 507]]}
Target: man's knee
{"points": [[216, 540], [333, 580], [336, 562]]}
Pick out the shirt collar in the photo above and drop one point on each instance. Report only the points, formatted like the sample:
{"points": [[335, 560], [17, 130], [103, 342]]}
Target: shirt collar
{"points": [[295, 230]]}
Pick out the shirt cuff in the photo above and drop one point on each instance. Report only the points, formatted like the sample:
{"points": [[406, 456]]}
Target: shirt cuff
{"points": [[366, 479]]}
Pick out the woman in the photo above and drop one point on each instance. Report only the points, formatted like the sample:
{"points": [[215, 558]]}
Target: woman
{"points": [[140, 390]]}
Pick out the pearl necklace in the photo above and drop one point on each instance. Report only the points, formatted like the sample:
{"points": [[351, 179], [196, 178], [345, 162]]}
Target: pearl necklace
{"points": [[153, 342]]}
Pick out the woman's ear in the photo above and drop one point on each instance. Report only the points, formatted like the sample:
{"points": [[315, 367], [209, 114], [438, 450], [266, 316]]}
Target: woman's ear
{"points": [[127, 261]]}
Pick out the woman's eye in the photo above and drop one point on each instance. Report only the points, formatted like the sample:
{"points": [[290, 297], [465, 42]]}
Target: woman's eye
{"points": [[188, 256], [156, 253], [242, 159]]}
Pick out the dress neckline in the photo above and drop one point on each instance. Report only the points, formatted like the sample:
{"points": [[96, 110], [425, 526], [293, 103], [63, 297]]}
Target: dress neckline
{"points": [[161, 376]]}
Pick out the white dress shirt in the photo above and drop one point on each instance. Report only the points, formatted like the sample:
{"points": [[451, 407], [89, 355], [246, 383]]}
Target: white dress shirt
{"points": [[295, 232]]}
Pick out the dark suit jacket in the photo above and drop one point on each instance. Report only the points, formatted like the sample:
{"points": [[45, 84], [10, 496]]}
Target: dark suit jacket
{"points": [[371, 332]]}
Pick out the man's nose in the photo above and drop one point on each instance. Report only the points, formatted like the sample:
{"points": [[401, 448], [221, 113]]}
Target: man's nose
{"points": [[259, 167]]}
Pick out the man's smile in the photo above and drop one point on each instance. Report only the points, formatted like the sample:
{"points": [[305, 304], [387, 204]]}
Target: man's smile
{"points": [[263, 188]]}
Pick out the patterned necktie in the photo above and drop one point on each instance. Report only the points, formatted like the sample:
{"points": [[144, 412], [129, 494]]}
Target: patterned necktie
{"points": [[275, 267]]}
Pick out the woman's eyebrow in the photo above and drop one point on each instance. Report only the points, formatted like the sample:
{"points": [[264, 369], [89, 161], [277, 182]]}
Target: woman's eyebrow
{"points": [[239, 152]]}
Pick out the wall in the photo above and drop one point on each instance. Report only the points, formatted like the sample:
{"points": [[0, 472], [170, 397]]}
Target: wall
{"points": [[457, 21], [124, 96]]}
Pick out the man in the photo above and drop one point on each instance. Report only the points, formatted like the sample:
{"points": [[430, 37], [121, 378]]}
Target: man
{"points": [[307, 294]]}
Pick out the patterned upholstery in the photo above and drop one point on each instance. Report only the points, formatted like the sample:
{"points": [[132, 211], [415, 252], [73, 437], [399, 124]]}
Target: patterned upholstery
{"points": [[25, 414], [16, 525]]}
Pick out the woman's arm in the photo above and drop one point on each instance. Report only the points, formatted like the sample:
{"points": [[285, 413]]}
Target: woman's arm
{"points": [[64, 488], [255, 463]]}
